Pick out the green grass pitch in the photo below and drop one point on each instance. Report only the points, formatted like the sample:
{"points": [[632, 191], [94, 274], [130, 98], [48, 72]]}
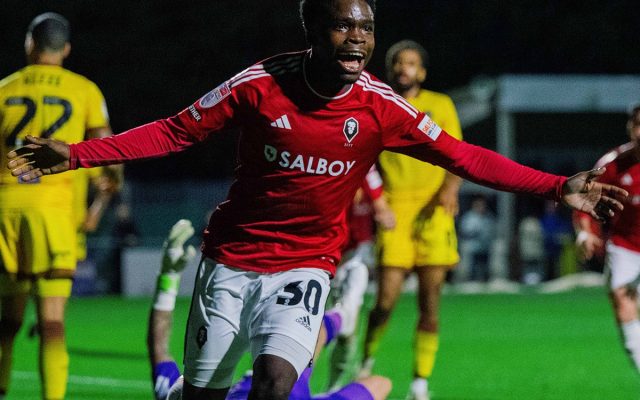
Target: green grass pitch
{"points": [[493, 346]]}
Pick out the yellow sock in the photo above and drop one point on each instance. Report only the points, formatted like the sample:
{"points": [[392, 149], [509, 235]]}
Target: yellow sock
{"points": [[54, 367], [426, 347], [373, 343]]}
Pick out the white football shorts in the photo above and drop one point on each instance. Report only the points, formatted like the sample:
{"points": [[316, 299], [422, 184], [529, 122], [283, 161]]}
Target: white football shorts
{"points": [[622, 266], [234, 310]]}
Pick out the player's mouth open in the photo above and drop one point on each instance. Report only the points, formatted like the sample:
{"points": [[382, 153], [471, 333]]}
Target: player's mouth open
{"points": [[351, 62]]}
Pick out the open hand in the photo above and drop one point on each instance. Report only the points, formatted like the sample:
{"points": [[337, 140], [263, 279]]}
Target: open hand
{"points": [[39, 157], [583, 193]]}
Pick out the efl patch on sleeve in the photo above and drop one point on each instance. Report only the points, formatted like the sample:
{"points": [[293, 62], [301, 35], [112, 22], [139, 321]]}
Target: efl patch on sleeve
{"points": [[215, 96], [429, 128]]}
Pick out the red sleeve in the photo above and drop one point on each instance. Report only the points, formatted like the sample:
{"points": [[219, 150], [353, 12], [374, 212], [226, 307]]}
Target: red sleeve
{"points": [[418, 136], [211, 113], [478, 164], [373, 183], [156, 139]]}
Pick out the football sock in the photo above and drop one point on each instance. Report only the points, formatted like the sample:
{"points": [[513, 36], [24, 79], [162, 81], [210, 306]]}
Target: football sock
{"points": [[341, 361], [54, 360], [332, 322], [8, 331], [426, 346], [631, 333], [374, 336], [6, 353]]}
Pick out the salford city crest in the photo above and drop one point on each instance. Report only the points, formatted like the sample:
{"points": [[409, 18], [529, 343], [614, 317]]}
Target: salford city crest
{"points": [[350, 128]]}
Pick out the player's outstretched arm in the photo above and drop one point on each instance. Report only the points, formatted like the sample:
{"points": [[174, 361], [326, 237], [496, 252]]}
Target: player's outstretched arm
{"points": [[39, 157], [581, 192]]}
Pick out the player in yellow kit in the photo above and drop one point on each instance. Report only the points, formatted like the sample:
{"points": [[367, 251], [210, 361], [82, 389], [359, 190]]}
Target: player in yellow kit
{"points": [[105, 181], [424, 199], [38, 245]]}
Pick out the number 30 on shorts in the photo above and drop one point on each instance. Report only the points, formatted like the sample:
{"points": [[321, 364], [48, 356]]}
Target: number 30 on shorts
{"points": [[311, 296]]}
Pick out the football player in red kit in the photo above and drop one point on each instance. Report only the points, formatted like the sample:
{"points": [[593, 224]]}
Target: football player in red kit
{"points": [[622, 249], [312, 124]]}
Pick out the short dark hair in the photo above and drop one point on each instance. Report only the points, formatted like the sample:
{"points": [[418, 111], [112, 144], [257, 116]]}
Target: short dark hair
{"points": [[310, 10], [392, 53], [49, 31]]}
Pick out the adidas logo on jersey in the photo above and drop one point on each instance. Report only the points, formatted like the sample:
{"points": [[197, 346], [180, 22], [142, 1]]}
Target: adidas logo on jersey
{"points": [[282, 122], [305, 321]]}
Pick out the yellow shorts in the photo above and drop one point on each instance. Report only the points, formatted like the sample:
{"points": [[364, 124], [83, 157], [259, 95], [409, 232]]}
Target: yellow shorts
{"points": [[39, 287], [419, 241], [37, 243]]}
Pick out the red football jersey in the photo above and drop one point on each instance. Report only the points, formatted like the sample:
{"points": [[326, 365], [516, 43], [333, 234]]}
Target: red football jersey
{"points": [[361, 212], [623, 170], [302, 156]]}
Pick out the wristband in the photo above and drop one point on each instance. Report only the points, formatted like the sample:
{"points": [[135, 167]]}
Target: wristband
{"points": [[165, 301], [582, 237], [168, 282]]}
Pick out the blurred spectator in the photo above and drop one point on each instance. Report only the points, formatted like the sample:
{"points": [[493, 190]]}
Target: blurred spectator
{"points": [[531, 246], [477, 230], [558, 232], [123, 234]]}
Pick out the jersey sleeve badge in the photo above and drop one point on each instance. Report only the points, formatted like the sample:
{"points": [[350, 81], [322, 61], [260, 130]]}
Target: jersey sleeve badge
{"points": [[215, 96], [429, 128]]}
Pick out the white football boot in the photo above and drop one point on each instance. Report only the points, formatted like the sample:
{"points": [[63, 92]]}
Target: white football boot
{"points": [[175, 392], [353, 278], [419, 390], [366, 368]]}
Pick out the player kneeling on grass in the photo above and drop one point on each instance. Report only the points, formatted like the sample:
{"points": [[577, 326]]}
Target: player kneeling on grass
{"points": [[167, 381], [165, 372]]}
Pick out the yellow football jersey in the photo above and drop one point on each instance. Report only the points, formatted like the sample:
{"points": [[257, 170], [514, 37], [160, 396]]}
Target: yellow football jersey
{"points": [[46, 101], [406, 176]]}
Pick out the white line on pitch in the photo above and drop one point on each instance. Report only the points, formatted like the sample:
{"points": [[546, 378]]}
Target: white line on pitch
{"points": [[89, 380], [96, 381]]}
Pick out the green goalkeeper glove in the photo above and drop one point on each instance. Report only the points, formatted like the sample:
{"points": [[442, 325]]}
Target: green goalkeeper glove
{"points": [[175, 256]]}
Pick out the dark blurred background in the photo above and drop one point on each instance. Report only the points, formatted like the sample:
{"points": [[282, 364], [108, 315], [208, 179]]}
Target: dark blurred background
{"points": [[153, 58]]}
